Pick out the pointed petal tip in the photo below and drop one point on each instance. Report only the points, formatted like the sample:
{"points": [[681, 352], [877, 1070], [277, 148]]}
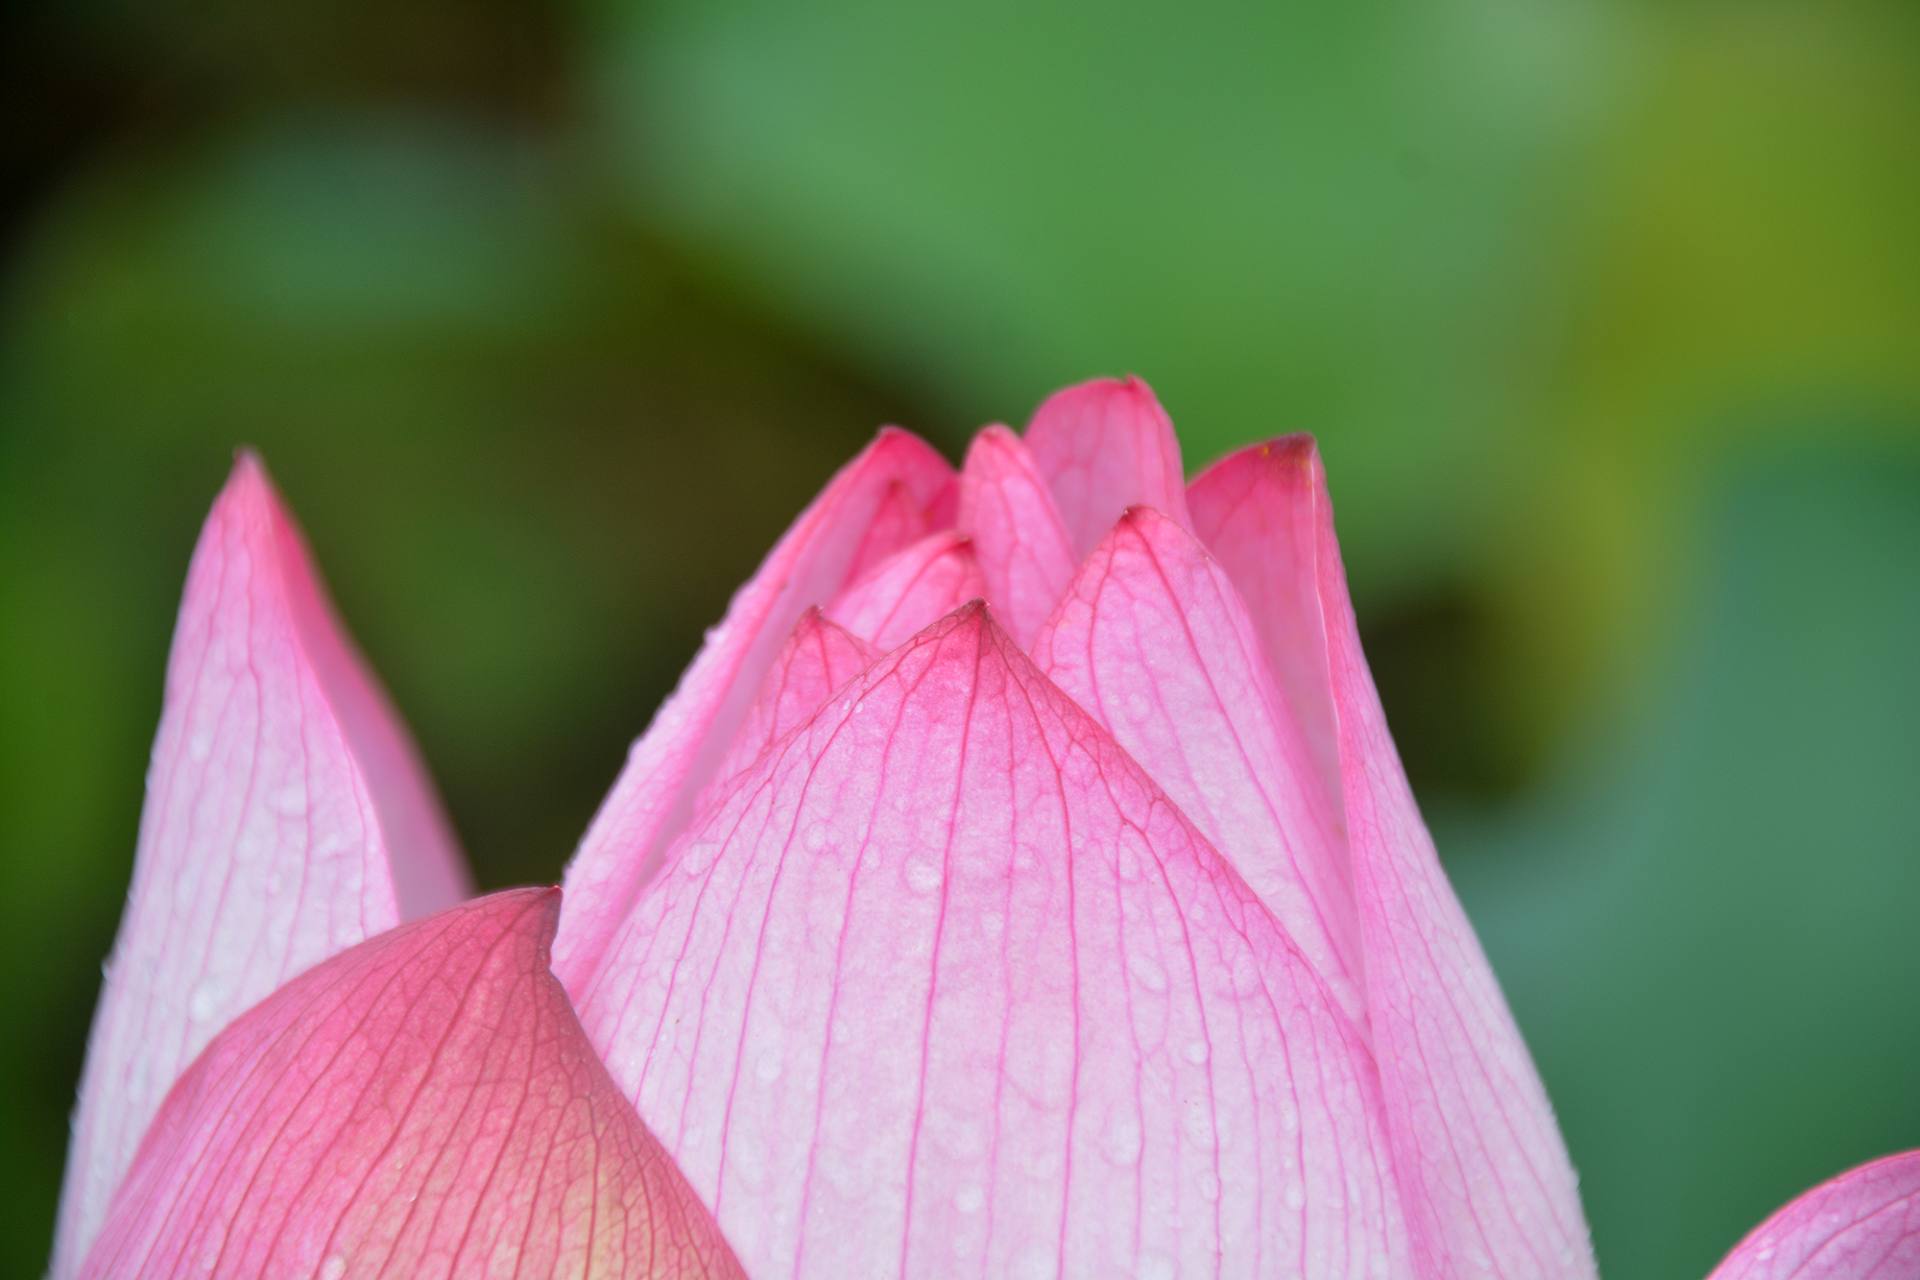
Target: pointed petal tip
{"points": [[1101, 445], [995, 435], [1298, 450], [891, 439], [1130, 389], [249, 487]]}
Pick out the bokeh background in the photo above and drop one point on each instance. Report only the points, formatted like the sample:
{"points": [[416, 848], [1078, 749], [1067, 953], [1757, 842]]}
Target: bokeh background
{"points": [[548, 317]]}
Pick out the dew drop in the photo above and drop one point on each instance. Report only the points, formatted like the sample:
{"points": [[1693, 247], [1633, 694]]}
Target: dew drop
{"points": [[922, 876], [199, 745], [1035, 1262], [1195, 1052], [969, 1199], [289, 801], [1122, 1143], [1296, 1195], [203, 1003], [818, 838], [697, 856], [766, 1067], [1146, 971], [333, 1268]]}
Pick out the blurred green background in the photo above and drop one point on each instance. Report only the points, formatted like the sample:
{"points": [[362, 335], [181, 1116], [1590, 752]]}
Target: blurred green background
{"points": [[548, 317]]}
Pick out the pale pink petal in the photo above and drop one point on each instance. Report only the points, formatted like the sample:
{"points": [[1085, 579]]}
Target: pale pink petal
{"points": [[422, 1105], [1483, 1170], [1263, 524], [1104, 446], [1024, 553], [1862, 1225], [945, 987], [287, 817], [914, 587], [853, 521], [1153, 641], [819, 657]]}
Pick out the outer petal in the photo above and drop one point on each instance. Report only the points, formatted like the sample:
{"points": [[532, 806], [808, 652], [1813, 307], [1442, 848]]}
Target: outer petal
{"points": [[1863, 1225], [1257, 511], [1025, 555], [1153, 641], [287, 817], [422, 1105], [946, 987], [819, 657], [855, 521], [916, 586], [1104, 446], [1482, 1167]]}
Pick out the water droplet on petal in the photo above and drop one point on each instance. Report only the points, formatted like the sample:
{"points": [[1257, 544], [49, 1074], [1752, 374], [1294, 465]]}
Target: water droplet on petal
{"points": [[1146, 971], [203, 1003], [1122, 1142]]}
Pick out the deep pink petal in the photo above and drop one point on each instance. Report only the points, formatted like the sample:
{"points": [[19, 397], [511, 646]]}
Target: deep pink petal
{"points": [[1259, 513], [819, 657], [1153, 641], [910, 590], [1025, 555], [422, 1105], [1104, 446], [945, 986], [853, 522], [287, 817], [1862, 1225], [901, 518], [1482, 1167]]}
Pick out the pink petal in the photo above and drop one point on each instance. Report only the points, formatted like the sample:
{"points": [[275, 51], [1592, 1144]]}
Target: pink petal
{"points": [[944, 986], [1263, 523], [287, 817], [421, 1105], [1153, 641], [1482, 1167], [854, 521], [911, 589], [1104, 446], [1024, 553], [1862, 1225], [819, 657], [901, 518]]}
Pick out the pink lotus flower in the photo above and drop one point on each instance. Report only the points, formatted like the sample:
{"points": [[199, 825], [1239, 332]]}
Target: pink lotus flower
{"points": [[1091, 931]]}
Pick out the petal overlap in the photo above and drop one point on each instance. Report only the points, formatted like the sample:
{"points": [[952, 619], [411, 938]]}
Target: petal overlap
{"points": [[1153, 642], [944, 985], [890, 495], [818, 658], [287, 817], [1104, 446], [1482, 1166], [1025, 555], [423, 1105], [913, 587]]}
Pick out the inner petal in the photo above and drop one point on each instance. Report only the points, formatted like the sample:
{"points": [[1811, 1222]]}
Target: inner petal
{"points": [[910, 589]]}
